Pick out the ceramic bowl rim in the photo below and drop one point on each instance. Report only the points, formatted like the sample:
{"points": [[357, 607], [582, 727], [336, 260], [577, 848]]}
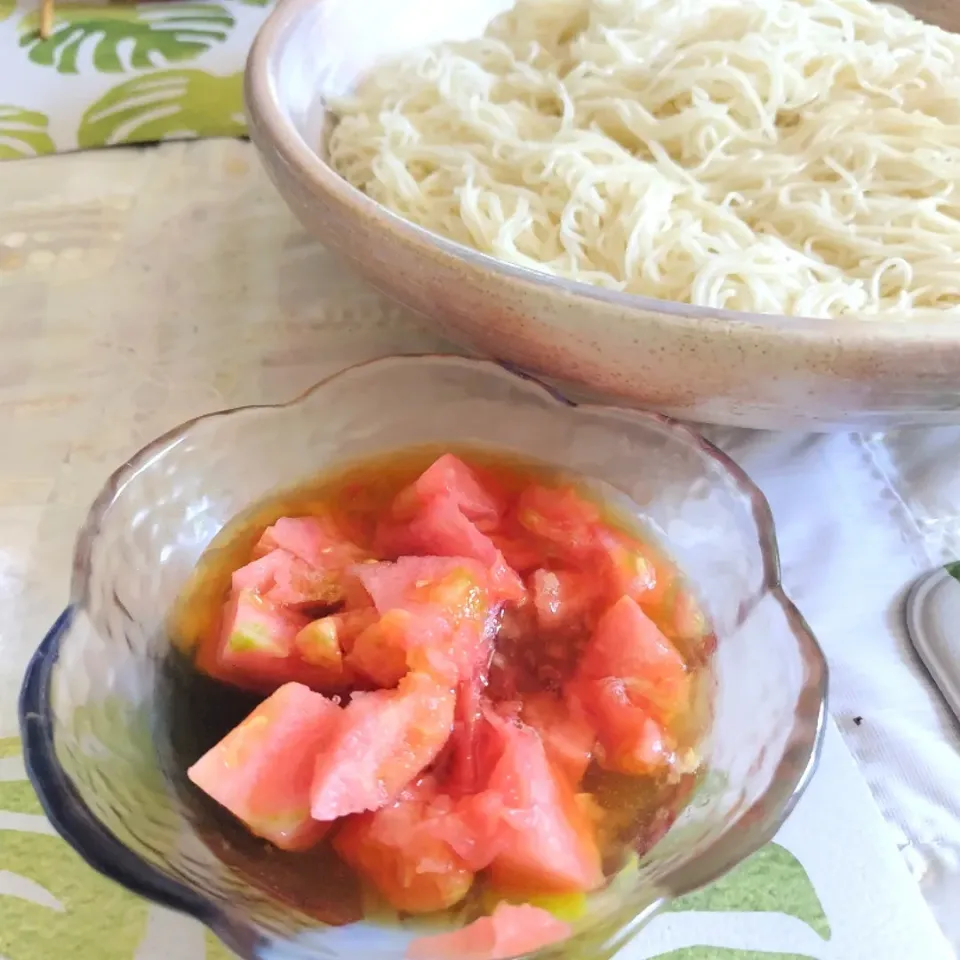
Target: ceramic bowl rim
{"points": [[272, 130]]}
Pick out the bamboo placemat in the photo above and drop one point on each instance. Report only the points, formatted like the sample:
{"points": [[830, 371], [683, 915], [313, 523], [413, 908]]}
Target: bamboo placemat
{"points": [[122, 73]]}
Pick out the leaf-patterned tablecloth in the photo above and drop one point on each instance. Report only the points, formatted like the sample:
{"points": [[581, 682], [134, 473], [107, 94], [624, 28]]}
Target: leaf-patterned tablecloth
{"points": [[119, 74], [832, 887]]}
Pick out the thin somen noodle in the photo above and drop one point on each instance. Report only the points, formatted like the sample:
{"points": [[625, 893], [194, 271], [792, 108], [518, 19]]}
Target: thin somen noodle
{"points": [[796, 157]]}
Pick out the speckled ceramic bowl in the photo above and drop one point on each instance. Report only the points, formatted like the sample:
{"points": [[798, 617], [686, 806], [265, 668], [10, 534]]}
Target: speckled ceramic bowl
{"points": [[99, 722], [693, 363]]}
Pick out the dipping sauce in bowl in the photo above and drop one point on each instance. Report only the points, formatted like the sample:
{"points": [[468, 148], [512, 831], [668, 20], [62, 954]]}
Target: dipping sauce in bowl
{"points": [[482, 686]]}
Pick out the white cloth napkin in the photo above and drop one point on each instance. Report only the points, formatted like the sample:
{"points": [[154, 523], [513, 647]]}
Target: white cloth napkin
{"points": [[859, 519], [872, 909]]}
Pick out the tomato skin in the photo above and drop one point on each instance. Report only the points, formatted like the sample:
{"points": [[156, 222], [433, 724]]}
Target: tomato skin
{"points": [[262, 770], [399, 850], [466, 773]]}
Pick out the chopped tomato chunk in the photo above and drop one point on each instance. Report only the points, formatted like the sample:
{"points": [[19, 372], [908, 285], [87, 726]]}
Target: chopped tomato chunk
{"points": [[526, 824], [627, 570], [457, 583], [519, 552], [436, 528], [562, 519], [573, 532], [344, 628], [315, 540], [262, 770], [285, 579], [451, 479], [687, 626], [564, 600], [301, 587], [399, 640], [631, 681], [260, 575], [440, 529], [385, 739], [548, 844], [567, 736], [435, 614], [399, 851], [257, 636], [628, 645], [630, 740], [324, 643], [258, 648]]}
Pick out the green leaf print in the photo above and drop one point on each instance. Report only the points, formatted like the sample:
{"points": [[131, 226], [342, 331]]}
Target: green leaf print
{"points": [[255, 3], [23, 133], [16, 795], [120, 38], [953, 569], [726, 953], [216, 950], [6, 8], [51, 903], [166, 105], [772, 880], [9, 747]]}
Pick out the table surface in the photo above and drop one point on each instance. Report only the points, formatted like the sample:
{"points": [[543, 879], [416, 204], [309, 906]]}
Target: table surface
{"points": [[139, 288], [944, 13]]}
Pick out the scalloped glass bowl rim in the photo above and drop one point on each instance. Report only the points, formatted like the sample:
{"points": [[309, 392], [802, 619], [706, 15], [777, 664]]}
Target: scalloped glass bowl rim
{"points": [[106, 854]]}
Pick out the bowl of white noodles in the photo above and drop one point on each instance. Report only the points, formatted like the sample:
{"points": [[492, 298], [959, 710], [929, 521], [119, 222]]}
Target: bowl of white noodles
{"points": [[732, 211]]}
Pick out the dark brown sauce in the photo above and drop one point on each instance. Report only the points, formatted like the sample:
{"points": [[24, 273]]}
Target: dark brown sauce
{"points": [[637, 811]]}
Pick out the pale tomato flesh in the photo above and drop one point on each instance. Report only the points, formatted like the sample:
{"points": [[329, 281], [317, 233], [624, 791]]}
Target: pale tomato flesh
{"points": [[262, 771]]}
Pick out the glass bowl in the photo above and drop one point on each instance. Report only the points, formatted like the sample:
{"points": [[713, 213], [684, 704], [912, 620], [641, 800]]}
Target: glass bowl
{"points": [[94, 706]]}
